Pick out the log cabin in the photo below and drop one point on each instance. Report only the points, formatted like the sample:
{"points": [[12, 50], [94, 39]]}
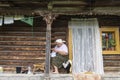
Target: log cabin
{"points": [[25, 45]]}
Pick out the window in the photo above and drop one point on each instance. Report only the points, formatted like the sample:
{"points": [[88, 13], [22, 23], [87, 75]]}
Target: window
{"points": [[110, 40]]}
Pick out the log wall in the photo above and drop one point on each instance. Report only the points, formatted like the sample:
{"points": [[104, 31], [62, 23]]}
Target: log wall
{"points": [[24, 45], [111, 61]]}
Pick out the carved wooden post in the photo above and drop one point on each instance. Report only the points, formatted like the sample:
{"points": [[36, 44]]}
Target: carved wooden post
{"points": [[49, 19]]}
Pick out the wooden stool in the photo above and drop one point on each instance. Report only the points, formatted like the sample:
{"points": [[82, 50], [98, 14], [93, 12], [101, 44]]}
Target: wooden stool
{"points": [[38, 67]]}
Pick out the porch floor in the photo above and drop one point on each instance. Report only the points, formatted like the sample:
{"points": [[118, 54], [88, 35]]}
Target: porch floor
{"points": [[5, 76]]}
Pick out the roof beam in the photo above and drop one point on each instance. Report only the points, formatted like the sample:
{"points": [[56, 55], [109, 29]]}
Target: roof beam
{"points": [[69, 2], [107, 3], [4, 5]]}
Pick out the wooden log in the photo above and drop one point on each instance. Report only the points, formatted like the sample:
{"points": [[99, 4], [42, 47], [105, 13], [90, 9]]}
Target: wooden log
{"points": [[15, 28], [7, 61], [112, 69], [20, 43], [111, 63], [21, 48], [22, 38], [35, 53], [23, 33]]}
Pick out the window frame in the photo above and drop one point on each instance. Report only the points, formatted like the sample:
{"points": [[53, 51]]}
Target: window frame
{"points": [[116, 31]]}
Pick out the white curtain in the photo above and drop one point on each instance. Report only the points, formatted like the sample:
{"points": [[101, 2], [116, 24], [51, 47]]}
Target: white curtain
{"points": [[87, 51], [8, 20], [1, 20]]}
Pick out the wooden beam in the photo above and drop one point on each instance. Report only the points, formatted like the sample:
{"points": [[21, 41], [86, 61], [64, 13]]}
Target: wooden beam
{"points": [[48, 17], [4, 5], [69, 2], [62, 9], [70, 45], [24, 0]]}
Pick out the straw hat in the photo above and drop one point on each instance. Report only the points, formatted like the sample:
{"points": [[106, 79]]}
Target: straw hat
{"points": [[59, 41]]}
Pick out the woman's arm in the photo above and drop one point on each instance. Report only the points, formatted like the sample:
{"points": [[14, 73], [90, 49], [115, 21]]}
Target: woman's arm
{"points": [[60, 52]]}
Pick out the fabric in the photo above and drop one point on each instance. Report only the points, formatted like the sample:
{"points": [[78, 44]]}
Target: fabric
{"points": [[59, 59], [62, 48], [1, 20], [87, 49], [8, 20], [28, 20]]}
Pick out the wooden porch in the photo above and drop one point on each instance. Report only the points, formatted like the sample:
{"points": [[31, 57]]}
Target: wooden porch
{"points": [[53, 77]]}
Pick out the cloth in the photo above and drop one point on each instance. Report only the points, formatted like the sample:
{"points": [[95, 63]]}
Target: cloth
{"points": [[86, 46], [8, 20], [53, 54], [62, 48], [59, 59], [87, 77], [1, 20]]}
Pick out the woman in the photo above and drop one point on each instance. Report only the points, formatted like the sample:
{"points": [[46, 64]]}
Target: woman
{"points": [[59, 54]]}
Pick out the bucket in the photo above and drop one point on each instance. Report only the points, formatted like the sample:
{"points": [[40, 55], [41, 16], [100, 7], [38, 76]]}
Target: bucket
{"points": [[18, 69]]}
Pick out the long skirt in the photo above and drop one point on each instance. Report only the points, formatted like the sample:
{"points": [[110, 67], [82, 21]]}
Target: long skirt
{"points": [[58, 60]]}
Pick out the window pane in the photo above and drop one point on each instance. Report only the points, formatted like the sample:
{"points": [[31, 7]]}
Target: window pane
{"points": [[108, 41]]}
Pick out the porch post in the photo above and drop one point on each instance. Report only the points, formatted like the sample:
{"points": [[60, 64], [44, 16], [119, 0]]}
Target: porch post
{"points": [[49, 20]]}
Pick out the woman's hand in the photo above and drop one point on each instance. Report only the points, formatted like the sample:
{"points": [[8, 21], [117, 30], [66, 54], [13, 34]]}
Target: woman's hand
{"points": [[53, 49]]}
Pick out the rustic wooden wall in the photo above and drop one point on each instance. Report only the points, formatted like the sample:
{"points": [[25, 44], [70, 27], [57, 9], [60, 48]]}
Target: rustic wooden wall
{"points": [[21, 44], [111, 61], [24, 45]]}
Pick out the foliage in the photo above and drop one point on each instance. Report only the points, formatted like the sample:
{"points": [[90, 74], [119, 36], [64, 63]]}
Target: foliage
{"points": [[112, 43]]}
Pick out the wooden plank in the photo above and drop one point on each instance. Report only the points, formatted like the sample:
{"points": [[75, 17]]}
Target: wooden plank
{"points": [[7, 61], [59, 30], [21, 48], [21, 57], [111, 63], [24, 30], [58, 34], [112, 69], [43, 34], [22, 63], [69, 2], [112, 57], [19, 43], [70, 45], [21, 53], [22, 38]]}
